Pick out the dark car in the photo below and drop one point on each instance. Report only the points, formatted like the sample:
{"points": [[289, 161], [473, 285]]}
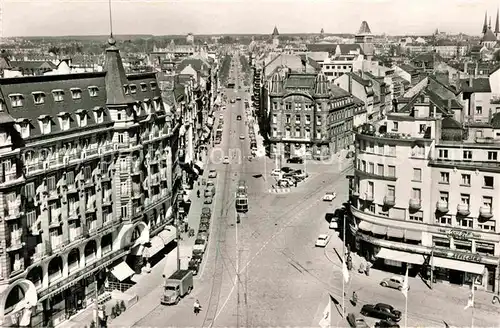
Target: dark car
{"points": [[205, 221], [386, 324], [203, 228], [194, 266], [296, 160], [286, 169], [381, 311], [205, 215], [238, 118], [206, 210], [217, 141]]}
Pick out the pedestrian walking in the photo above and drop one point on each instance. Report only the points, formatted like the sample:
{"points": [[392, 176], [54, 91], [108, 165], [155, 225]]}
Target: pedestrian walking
{"points": [[197, 307]]}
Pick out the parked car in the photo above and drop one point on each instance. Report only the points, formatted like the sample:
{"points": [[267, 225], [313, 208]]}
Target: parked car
{"points": [[206, 210], [199, 246], [208, 200], [212, 174], [334, 224], [202, 235], [276, 173], [238, 98], [296, 160], [225, 160], [322, 240], [232, 101], [285, 183], [300, 174], [203, 228], [395, 282], [356, 321], [211, 183], [242, 137], [329, 196], [238, 118], [217, 141], [286, 169], [386, 324], [381, 311]]}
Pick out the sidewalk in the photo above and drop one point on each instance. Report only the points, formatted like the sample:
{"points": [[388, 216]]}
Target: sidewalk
{"points": [[147, 284]]}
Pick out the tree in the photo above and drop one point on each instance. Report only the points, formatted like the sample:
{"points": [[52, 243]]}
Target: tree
{"points": [[55, 50]]}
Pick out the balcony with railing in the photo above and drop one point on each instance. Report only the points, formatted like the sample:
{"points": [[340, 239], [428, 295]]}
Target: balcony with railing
{"points": [[56, 241], [15, 241], [389, 201], [91, 204], [415, 204], [463, 209], [13, 209], [163, 174], [155, 179], [136, 190], [485, 212], [38, 254], [55, 218], [136, 167], [75, 233], [107, 198], [10, 176], [92, 224], [442, 206], [17, 266]]}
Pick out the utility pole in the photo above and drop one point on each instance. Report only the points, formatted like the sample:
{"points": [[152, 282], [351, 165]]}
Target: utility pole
{"points": [[432, 266], [178, 233]]}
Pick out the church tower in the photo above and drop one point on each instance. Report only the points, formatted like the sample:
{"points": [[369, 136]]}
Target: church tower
{"points": [[275, 35], [364, 38]]}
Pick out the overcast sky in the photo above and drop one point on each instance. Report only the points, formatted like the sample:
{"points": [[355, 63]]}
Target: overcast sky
{"points": [[163, 17]]}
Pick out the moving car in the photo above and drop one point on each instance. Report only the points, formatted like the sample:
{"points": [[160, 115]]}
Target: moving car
{"points": [[238, 118], [212, 174], [211, 183], [238, 98], [225, 160], [381, 311], [242, 137], [208, 200], [296, 160], [386, 324], [206, 210], [322, 240], [329, 196], [300, 174], [199, 246], [395, 282], [356, 322], [217, 141], [232, 101]]}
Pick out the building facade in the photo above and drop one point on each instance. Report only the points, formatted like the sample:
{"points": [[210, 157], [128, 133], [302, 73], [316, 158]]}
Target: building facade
{"points": [[423, 194], [309, 118], [89, 180]]}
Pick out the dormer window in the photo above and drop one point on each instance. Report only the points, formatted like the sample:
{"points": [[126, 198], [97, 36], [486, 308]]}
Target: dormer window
{"points": [[93, 91], [16, 100], [126, 89], [99, 115], [2, 106], [156, 103], [23, 127], [147, 106], [76, 93], [58, 95], [45, 124], [64, 120], [38, 97], [137, 108], [153, 85], [133, 88], [81, 117], [144, 87]]}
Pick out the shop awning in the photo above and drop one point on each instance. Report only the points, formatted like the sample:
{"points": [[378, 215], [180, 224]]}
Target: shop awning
{"points": [[168, 235], [390, 254], [156, 246], [169, 213], [458, 265], [395, 233], [379, 230], [365, 226], [210, 121], [413, 235], [122, 271]]}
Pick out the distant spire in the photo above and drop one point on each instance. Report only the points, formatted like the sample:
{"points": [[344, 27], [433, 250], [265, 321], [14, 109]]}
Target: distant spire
{"points": [[497, 24], [111, 39], [485, 25]]}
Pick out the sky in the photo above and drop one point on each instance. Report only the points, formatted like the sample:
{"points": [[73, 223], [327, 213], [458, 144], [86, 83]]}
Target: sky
{"points": [[167, 17]]}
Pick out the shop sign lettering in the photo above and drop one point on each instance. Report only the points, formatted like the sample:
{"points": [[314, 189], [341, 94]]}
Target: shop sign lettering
{"points": [[459, 234], [466, 257]]}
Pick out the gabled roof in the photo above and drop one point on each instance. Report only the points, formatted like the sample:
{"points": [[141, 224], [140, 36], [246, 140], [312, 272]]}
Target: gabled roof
{"points": [[321, 47], [359, 79], [408, 68], [478, 85], [489, 36], [450, 123], [197, 64], [23, 64]]}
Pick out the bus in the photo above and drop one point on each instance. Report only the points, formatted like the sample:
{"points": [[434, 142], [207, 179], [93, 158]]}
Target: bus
{"points": [[230, 85], [241, 197]]}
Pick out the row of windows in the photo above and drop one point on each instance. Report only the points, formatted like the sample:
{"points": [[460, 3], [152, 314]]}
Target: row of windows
{"points": [[297, 133], [467, 154], [465, 180], [298, 119], [486, 201], [17, 100], [338, 66], [378, 169]]}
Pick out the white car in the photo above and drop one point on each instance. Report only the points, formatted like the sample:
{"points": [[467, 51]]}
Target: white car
{"points": [[212, 174], [334, 224], [225, 160], [322, 240], [329, 196], [242, 137], [199, 246], [276, 173]]}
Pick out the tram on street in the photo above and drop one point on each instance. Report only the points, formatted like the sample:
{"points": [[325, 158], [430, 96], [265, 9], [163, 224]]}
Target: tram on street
{"points": [[241, 197]]}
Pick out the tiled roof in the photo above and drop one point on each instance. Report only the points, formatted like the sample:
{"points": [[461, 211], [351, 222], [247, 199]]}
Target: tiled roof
{"points": [[359, 79], [293, 62], [450, 123], [337, 92], [478, 85], [27, 86], [346, 48], [427, 57], [22, 64], [197, 64], [408, 68], [321, 47]]}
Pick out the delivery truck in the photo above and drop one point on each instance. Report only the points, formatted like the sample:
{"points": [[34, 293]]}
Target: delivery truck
{"points": [[178, 285]]}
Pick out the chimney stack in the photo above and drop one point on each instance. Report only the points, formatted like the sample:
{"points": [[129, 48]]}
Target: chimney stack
{"points": [[449, 105], [470, 81]]}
